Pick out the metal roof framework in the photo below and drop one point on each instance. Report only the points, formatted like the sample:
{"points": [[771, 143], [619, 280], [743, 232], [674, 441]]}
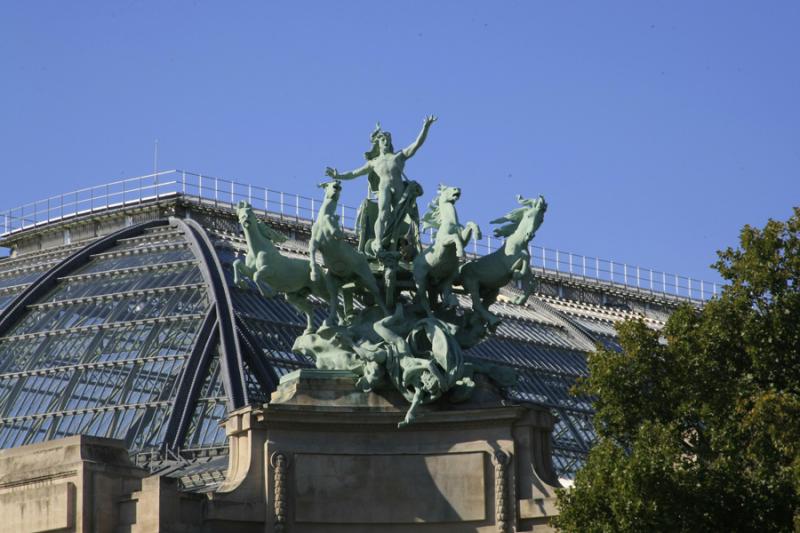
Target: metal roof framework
{"points": [[141, 335]]}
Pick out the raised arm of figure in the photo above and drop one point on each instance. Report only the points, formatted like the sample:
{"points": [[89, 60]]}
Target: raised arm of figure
{"points": [[334, 174], [413, 147]]}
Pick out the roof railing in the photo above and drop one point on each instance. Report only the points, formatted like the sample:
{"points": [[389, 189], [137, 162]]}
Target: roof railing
{"points": [[219, 192]]}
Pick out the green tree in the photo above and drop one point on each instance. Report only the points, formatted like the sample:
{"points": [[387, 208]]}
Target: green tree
{"points": [[702, 432]]}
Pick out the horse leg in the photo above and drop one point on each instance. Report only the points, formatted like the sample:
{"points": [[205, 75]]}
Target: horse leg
{"points": [[240, 272], [319, 287], [459, 245], [363, 273], [488, 297], [433, 297], [333, 299], [421, 281], [347, 304], [302, 304], [448, 299], [472, 285], [237, 278], [259, 276], [528, 286], [263, 287], [472, 231]]}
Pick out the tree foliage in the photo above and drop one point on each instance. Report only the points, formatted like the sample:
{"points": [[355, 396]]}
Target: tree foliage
{"points": [[702, 433]]}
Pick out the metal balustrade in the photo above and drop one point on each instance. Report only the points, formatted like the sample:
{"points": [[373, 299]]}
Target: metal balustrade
{"points": [[211, 190]]}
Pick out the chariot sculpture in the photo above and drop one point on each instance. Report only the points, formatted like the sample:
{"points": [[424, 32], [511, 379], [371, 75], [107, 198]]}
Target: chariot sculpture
{"points": [[393, 317]]}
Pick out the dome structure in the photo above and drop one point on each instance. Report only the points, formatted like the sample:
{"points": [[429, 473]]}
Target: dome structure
{"points": [[120, 319]]}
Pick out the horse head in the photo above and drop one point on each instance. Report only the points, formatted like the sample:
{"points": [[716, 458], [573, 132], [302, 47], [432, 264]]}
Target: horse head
{"points": [[250, 222], [449, 194], [332, 189], [433, 216], [533, 216], [522, 222], [244, 212]]}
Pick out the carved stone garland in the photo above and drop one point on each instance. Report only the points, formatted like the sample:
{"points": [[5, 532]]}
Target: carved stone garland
{"points": [[280, 464], [501, 460]]}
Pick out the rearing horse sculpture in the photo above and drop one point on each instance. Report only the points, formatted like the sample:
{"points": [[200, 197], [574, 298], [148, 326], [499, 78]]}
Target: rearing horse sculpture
{"points": [[484, 277], [343, 263], [270, 270], [437, 267]]}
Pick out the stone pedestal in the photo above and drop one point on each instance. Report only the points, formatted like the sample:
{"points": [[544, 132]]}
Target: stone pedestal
{"points": [[324, 457]]}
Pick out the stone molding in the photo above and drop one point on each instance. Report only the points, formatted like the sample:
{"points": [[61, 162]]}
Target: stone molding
{"points": [[317, 415], [280, 465]]}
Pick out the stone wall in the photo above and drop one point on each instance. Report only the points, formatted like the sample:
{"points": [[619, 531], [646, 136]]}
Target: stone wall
{"points": [[72, 484], [321, 457]]}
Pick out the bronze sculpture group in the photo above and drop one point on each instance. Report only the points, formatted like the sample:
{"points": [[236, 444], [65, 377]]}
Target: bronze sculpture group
{"points": [[393, 317]]}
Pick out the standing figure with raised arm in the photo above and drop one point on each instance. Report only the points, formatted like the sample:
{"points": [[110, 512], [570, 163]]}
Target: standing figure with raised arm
{"points": [[385, 169]]}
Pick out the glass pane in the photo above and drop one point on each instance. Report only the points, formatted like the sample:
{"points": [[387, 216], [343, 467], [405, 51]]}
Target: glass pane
{"points": [[140, 259]]}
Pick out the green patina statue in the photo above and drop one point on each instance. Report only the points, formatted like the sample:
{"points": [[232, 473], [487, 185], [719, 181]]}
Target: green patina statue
{"points": [[484, 277], [436, 268], [271, 271], [419, 348], [420, 357], [343, 263], [384, 168]]}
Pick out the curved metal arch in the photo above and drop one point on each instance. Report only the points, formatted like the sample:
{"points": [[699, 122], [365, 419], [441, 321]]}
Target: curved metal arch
{"points": [[191, 381], [45, 283], [265, 374], [219, 325], [230, 352]]}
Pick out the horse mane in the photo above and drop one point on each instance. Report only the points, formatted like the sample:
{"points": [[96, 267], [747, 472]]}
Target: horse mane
{"points": [[272, 235], [432, 217], [513, 217]]}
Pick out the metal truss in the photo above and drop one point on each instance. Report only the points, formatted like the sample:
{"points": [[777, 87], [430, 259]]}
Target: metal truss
{"points": [[140, 335]]}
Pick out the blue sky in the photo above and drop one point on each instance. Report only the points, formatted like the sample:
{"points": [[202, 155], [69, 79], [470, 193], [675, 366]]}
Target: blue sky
{"points": [[655, 129]]}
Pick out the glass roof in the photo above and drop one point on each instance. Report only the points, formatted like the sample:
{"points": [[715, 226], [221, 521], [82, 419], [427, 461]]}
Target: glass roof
{"points": [[101, 352], [17, 273], [105, 350]]}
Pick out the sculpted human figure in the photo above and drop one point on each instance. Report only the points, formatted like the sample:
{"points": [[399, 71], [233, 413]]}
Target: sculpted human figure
{"points": [[343, 263], [421, 374], [419, 348], [385, 168]]}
